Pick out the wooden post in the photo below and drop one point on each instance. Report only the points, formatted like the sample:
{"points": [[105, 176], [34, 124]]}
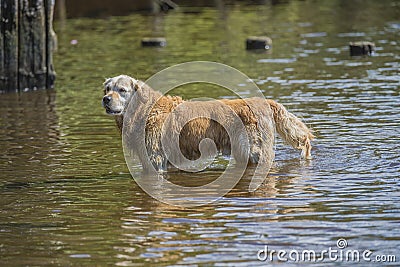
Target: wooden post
{"points": [[51, 43], [9, 33], [27, 42]]}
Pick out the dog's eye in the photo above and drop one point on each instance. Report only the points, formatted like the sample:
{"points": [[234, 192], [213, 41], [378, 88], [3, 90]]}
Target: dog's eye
{"points": [[123, 90]]}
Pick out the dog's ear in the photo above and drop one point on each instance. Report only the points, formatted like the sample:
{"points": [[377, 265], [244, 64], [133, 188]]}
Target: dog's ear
{"points": [[105, 84], [139, 88], [133, 83], [107, 80]]}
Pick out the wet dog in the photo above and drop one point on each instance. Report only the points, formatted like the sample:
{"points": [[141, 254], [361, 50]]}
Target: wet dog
{"points": [[244, 128]]}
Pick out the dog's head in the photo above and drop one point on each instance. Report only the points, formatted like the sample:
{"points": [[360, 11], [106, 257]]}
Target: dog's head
{"points": [[118, 92]]}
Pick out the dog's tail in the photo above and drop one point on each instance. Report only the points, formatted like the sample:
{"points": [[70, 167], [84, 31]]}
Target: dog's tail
{"points": [[292, 129]]}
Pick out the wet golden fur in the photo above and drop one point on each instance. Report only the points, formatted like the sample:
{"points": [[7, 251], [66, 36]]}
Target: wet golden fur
{"points": [[163, 115]]}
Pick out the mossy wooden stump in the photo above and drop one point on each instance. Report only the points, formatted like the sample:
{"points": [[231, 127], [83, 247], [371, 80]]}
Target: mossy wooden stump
{"points": [[258, 43], [27, 41], [154, 42], [361, 48]]}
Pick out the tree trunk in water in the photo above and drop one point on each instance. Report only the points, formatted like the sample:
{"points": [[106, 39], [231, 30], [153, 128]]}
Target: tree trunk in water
{"points": [[27, 42]]}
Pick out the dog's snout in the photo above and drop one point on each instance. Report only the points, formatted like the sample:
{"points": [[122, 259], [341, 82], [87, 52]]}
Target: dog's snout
{"points": [[106, 99]]}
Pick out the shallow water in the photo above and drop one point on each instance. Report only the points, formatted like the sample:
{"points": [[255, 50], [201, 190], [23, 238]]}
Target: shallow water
{"points": [[67, 197]]}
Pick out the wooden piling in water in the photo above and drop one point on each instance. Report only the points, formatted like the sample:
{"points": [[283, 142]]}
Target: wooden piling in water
{"points": [[27, 41], [258, 42], [361, 48]]}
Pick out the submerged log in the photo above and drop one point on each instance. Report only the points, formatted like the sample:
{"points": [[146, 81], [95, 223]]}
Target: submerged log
{"points": [[27, 42]]}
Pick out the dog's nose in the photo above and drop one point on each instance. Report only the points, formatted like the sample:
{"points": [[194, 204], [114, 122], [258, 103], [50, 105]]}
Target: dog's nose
{"points": [[106, 99]]}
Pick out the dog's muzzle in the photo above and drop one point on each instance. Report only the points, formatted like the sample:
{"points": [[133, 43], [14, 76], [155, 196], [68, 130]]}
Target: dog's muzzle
{"points": [[106, 100], [106, 103]]}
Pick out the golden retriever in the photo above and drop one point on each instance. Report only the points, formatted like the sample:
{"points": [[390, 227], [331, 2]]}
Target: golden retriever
{"points": [[244, 128]]}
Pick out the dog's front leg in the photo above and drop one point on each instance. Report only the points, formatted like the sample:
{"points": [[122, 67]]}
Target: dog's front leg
{"points": [[159, 161]]}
